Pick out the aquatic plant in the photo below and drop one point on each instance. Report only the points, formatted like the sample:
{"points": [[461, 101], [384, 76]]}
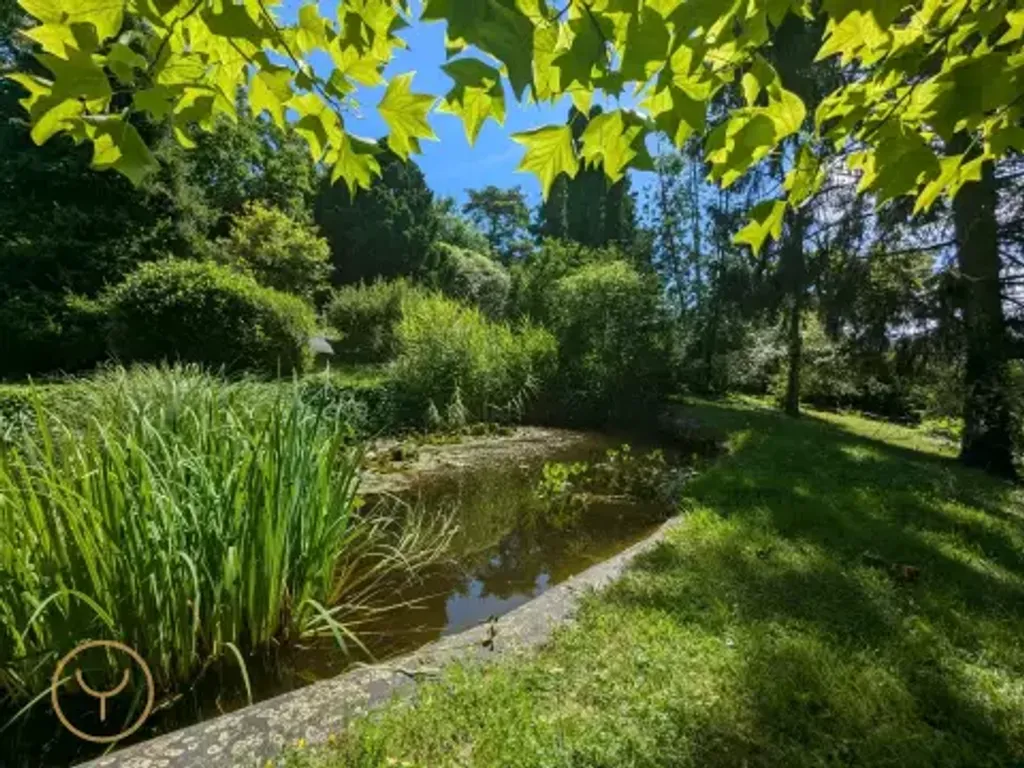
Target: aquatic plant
{"points": [[622, 472], [191, 519]]}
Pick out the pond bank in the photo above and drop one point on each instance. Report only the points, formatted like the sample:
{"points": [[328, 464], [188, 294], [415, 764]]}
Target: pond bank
{"points": [[258, 733]]}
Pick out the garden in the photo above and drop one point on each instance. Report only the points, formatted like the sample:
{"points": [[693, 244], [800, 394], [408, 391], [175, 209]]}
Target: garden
{"points": [[280, 404]]}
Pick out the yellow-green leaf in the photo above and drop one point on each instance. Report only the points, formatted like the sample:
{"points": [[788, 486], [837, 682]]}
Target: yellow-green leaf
{"points": [[477, 95], [608, 139], [271, 90], [117, 145], [105, 16], [549, 152], [405, 113], [317, 123], [355, 162], [765, 219]]}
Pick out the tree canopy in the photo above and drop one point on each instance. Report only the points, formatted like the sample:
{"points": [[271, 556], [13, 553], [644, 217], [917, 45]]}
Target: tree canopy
{"points": [[925, 72]]}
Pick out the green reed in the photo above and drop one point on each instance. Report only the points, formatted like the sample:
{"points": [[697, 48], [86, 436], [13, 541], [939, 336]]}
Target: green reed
{"points": [[188, 518]]}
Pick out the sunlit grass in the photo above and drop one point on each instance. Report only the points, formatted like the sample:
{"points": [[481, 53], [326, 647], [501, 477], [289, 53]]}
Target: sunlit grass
{"points": [[840, 593]]}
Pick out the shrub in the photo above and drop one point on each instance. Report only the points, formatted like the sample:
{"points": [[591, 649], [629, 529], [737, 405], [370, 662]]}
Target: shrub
{"points": [[454, 365], [533, 277], [474, 279], [367, 316], [201, 312], [186, 516], [277, 251], [614, 343]]}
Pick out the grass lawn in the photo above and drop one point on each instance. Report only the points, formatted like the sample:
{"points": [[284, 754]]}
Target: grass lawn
{"points": [[840, 593]]}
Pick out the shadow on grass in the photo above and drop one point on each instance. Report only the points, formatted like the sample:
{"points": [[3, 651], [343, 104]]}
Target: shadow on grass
{"points": [[874, 595]]}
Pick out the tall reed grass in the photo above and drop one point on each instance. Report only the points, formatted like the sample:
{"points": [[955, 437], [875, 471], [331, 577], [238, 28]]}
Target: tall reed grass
{"points": [[459, 365], [188, 518]]}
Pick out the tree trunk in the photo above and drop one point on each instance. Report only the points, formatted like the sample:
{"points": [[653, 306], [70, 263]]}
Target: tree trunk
{"points": [[795, 346], [987, 439], [796, 278]]}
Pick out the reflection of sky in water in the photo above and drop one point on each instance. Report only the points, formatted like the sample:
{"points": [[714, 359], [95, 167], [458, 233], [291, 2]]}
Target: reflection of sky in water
{"points": [[472, 607]]}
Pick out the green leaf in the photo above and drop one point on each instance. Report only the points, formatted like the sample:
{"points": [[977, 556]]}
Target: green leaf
{"points": [[646, 47], [1015, 21], [546, 76], [580, 63], [894, 168], [952, 174], [1006, 138], [317, 123], [405, 113], [676, 113], [105, 16], [761, 77], [949, 169], [736, 145], [805, 178], [312, 30], [77, 76], [355, 162], [549, 152], [117, 145], [271, 90], [123, 61], [608, 139], [238, 22], [53, 38], [157, 101], [497, 27], [60, 118], [765, 219], [851, 35], [788, 113], [477, 95], [365, 70]]}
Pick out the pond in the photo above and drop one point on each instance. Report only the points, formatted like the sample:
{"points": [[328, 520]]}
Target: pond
{"points": [[510, 545]]}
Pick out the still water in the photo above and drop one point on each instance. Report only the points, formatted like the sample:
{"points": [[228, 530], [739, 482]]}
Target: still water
{"points": [[509, 547]]}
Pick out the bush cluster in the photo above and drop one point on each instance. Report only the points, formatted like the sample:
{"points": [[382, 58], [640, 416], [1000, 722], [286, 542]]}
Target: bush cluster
{"points": [[367, 317], [277, 251], [474, 279], [614, 344], [176, 310]]}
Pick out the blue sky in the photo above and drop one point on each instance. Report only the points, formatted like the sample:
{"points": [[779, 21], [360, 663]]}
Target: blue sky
{"points": [[451, 165]]}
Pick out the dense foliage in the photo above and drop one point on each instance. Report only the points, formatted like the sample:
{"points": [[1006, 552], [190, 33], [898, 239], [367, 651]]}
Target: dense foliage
{"points": [[614, 344], [383, 232], [210, 519], [277, 251], [473, 278], [367, 317], [204, 313], [454, 366], [917, 101]]}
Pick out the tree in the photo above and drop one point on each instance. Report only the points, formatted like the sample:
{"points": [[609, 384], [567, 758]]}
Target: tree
{"points": [[455, 229], [277, 251], [70, 230], [252, 160], [384, 232], [933, 99], [502, 215], [587, 208]]}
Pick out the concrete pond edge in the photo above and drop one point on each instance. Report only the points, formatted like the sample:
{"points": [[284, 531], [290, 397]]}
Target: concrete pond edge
{"points": [[252, 736]]}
